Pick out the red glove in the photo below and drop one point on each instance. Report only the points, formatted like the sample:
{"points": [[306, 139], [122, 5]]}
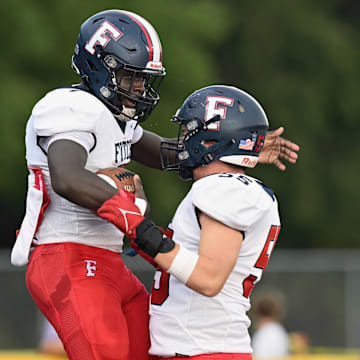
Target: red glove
{"points": [[121, 211]]}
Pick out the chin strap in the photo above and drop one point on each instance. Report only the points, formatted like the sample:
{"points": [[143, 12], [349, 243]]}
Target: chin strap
{"points": [[127, 114]]}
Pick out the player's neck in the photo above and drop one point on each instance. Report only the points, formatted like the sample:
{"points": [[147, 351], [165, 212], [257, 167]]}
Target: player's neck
{"points": [[216, 167]]}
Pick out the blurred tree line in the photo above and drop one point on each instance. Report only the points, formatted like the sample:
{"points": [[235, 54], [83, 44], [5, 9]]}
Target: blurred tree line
{"points": [[299, 58]]}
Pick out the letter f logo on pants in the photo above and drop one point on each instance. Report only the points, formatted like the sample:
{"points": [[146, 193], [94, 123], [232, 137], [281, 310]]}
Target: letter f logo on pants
{"points": [[90, 267]]}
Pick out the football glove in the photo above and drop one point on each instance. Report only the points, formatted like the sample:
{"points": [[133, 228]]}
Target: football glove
{"points": [[121, 211]]}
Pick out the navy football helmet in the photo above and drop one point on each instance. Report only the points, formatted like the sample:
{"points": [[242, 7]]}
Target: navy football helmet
{"points": [[216, 123], [115, 42]]}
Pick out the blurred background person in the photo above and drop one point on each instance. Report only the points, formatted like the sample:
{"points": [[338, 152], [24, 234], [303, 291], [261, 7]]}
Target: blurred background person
{"points": [[50, 343], [299, 342], [270, 339]]}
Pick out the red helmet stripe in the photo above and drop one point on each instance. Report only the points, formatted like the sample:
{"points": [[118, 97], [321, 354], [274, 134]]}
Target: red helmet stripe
{"points": [[155, 50]]}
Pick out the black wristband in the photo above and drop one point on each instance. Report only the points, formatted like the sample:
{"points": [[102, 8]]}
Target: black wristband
{"points": [[151, 239]]}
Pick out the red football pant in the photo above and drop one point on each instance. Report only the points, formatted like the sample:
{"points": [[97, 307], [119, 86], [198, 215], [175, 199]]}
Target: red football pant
{"points": [[98, 307]]}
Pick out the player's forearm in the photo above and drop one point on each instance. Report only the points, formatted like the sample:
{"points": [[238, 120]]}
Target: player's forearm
{"points": [[201, 273], [164, 260], [147, 150], [203, 278]]}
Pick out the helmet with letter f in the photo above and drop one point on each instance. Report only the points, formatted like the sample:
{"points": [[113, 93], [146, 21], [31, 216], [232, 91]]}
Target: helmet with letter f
{"points": [[116, 42], [216, 123]]}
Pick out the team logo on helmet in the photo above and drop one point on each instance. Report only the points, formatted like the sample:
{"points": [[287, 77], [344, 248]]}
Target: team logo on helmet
{"points": [[214, 107], [102, 36]]}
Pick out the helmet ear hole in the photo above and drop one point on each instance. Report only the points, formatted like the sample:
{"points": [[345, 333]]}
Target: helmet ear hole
{"points": [[209, 142]]}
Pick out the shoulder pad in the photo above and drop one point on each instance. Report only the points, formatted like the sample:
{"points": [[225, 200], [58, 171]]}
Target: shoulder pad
{"points": [[66, 110], [235, 200]]}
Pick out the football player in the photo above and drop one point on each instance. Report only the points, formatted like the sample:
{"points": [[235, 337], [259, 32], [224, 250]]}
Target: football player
{"points": [[221, 236], [75, 273]]}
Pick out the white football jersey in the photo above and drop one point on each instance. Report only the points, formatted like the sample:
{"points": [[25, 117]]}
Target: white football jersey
{"points": [[185, 322], [271, 340], [74, 114]]}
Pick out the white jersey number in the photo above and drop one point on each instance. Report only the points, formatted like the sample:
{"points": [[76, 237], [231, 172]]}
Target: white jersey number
{"points": [[160, 288]]}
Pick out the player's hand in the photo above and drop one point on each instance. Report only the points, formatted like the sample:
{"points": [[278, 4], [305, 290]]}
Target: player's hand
{"points": [[136, 249], [276, 148], [121, 211]]}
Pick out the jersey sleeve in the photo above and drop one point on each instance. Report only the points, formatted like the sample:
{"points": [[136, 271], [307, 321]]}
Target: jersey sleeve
{"points": [[85, 139], [237, 204], [66, 110]]}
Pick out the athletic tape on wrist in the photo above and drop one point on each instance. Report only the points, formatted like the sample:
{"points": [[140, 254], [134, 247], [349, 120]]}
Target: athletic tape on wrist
{"points": [[141, 204], [183, 264]]}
